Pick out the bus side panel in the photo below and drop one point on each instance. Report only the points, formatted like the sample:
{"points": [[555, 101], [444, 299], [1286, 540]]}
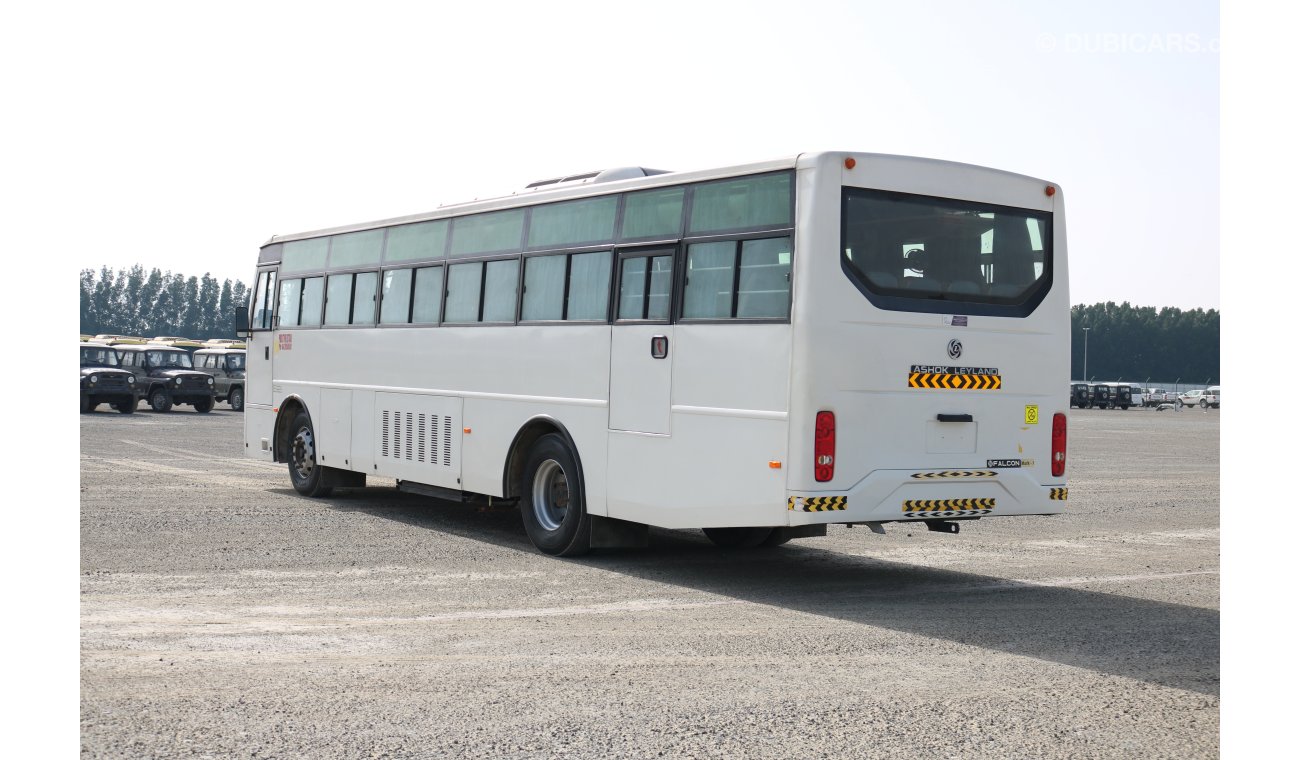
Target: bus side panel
{"points": [[362, 458], [259, 424], [728, 427], [712, 472], [333, 425], [493, 424]]}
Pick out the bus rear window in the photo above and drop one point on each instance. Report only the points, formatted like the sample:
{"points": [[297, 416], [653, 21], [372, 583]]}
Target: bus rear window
{"points": [[917, 253]]}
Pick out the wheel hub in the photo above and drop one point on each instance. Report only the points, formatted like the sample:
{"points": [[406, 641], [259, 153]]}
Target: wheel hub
{"points": [[550, 495], [304, 453]]}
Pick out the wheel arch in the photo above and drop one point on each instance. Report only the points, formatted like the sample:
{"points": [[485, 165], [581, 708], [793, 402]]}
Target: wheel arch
{"points": [[289, 408], [517, 454]]}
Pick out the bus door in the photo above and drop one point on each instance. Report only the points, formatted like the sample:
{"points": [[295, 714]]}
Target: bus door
{"points": [[641, 354], [261, 343]]}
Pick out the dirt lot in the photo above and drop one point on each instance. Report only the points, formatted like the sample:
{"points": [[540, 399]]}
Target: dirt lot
{"points": [[224, 616]]}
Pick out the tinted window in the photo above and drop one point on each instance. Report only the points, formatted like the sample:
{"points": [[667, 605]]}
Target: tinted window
{"points": [[573, 223], [916, 253], [543, 288], [338, 299], [500, 286], [411, 242], [653, 213], [764, 279], [363, 298], [645, 287], [396, 303], [745, 203], [428, 295], [313, 297], [463, 288], [305, 255], [487, 233], [589, 275], [356, 249], [290, 302]]}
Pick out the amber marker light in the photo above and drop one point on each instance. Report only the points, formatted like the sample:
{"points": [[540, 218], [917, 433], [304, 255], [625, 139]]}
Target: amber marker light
{"points": [[851, 162], [1051, 190], [775, 465], [468, 431]]}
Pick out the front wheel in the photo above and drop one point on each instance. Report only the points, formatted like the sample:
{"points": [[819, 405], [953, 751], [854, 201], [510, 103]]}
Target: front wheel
{"points": [[551, 499], [125, 407], [86, 406], [203, 405], [308, 477], [159, 401], [236, 399]]}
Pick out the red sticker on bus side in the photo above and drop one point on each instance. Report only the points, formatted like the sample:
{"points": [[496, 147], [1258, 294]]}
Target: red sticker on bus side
{"points": [[286, 341]]}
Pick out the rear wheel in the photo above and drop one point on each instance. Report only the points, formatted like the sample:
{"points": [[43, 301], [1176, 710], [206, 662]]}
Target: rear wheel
{"points": [[159, 401], [551, 500], [125, 407], [237, 399], [203, 405], [1204, 403], [739, 538], [308, 477]]}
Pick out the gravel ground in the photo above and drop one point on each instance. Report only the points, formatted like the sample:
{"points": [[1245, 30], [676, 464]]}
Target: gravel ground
{"points": [[224, 616]]}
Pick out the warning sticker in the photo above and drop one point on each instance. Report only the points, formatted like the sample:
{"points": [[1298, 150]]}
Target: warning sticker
{"points": [[954, 378], [286, 342], [1031, 414]]}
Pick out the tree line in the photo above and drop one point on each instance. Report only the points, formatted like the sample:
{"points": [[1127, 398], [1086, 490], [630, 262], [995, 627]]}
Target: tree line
{"points": [[1133, 343], [133, 302]]}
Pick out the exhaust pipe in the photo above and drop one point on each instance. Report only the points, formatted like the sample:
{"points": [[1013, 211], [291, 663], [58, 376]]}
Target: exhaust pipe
{"points": [[943, 526]]}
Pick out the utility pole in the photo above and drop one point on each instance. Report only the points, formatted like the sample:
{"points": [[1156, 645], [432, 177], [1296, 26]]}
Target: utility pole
{"points": [[1085, 352]]}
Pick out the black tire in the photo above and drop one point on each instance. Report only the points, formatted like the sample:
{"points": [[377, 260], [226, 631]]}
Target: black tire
{"points": [[86, 406], [551, 499], [236, 398], [308, 478], [203, 405], [738, 538], [1179, 403], [125, 407], [159, 401], [1204, 404]]}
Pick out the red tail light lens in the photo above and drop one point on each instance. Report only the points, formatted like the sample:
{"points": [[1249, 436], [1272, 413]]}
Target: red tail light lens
{"points": [[1058, 445], [824, 447]]}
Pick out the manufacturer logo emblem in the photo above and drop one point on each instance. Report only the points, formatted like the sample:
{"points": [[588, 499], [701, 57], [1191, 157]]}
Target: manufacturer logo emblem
{"points": [[954, 349]]}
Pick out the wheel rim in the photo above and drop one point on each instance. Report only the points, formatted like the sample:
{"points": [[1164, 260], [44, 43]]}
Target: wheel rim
{"points": [[550, 495], [304, 453], [157, 400], [236, 398]]}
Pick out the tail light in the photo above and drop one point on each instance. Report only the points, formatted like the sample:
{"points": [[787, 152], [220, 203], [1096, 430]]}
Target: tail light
{"points": [[824, 447], [1058, 445]]}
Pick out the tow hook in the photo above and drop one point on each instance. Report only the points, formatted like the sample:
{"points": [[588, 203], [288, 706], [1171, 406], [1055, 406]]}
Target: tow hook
{"points": [[943, 526]]}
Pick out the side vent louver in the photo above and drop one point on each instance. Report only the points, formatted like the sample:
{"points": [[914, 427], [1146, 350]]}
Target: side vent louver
{"points": [[414, 438]]}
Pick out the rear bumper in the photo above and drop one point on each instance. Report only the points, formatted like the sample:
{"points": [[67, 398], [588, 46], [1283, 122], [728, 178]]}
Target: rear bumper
{"points": [[894, 495]]}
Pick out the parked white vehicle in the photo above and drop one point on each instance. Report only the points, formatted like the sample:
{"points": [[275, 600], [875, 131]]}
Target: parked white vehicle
{"points": [[1202, 398]]}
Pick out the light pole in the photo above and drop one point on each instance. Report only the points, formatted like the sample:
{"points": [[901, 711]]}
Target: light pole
{"points": [[1085, 353]]}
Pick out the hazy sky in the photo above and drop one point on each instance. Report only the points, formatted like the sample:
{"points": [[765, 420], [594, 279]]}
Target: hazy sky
{"points": [[188, 134]]}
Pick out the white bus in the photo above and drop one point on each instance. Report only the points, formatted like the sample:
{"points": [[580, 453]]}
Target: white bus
{"points": [[758, 351]]}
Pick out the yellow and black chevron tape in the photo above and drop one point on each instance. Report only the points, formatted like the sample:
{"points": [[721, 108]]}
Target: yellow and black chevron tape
{"points": [[954, 381], [818, 503], [955, 474], [948, 507], [1059, 494]]}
